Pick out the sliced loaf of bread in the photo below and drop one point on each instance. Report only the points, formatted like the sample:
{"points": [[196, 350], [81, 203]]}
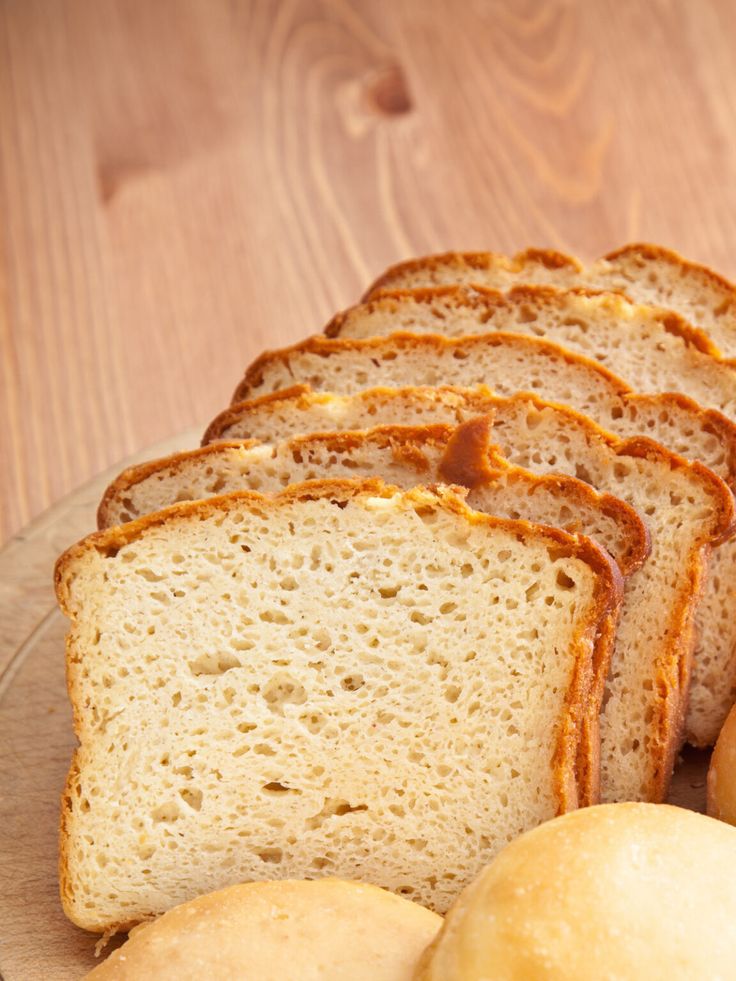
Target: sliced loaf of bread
{"points": [[655, 351], [698, 513], [512, 363], [669, 419], [645, 273], [406, 456], [341, 679]]}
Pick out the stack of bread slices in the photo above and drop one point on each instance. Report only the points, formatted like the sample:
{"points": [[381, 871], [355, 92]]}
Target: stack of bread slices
{"points": [[460, 563]]}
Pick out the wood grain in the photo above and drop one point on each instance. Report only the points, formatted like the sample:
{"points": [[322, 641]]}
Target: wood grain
{"points": [[36, 742], [185, 182]]}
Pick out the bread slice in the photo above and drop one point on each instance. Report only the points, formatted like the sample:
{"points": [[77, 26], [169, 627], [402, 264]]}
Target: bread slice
{"points": [[342, 679], [645, 273], [655, 350], [406, 456], [511, 363], [348, 365], [652, 349], [552, 451]]}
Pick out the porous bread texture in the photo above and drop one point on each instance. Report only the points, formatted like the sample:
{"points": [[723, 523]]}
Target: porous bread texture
{"points": [[349, 365], [508, 363], [683, 504], [652, 349], [655, 350], [646, 273], [673, 420], [404, 456], [652, 274], [400, 455], [668, 604], [338, 680], [500, 360], [300, 930]]}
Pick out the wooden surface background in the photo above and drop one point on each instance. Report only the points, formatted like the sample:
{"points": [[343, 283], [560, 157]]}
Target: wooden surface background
{"points": [[183, 182]]}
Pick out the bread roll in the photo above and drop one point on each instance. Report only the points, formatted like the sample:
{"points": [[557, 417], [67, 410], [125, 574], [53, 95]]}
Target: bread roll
{"points": [[619, 891], [271, 931], [722, 773]]}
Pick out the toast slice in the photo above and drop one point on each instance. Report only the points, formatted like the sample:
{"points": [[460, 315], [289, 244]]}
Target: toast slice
{"points": [[341, 679], [666, 629], [645, 273], [654, 350], [406, 456], [512, 363]]}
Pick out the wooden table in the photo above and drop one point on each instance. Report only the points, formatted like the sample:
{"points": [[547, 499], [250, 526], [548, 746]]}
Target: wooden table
{"points": [[183, 182], [187, 181]]}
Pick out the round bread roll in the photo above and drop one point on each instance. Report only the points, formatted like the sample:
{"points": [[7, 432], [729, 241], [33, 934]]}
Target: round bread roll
{"points": [[722, 773], [617, 892], [270, 931]]}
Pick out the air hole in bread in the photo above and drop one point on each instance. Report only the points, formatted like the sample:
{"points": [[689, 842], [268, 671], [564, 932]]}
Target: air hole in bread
{"points": [[167, 813], [193, 798], [213, 664], [282, 690], [274, 787], [352, 682]]}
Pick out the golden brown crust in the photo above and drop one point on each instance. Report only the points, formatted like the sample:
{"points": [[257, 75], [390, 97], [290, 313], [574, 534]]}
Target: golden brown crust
{"points": [[467, 462], [304, 397], [644, 448], [708, 420], [431, 343], [341, 441], [111, 540], [477, 260], [484, 402], [557, 260], [467, 459], [589, 749], [488, 300], [649, 251], [552, 260], [472, 460], [673, 668], [65, 887]]}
